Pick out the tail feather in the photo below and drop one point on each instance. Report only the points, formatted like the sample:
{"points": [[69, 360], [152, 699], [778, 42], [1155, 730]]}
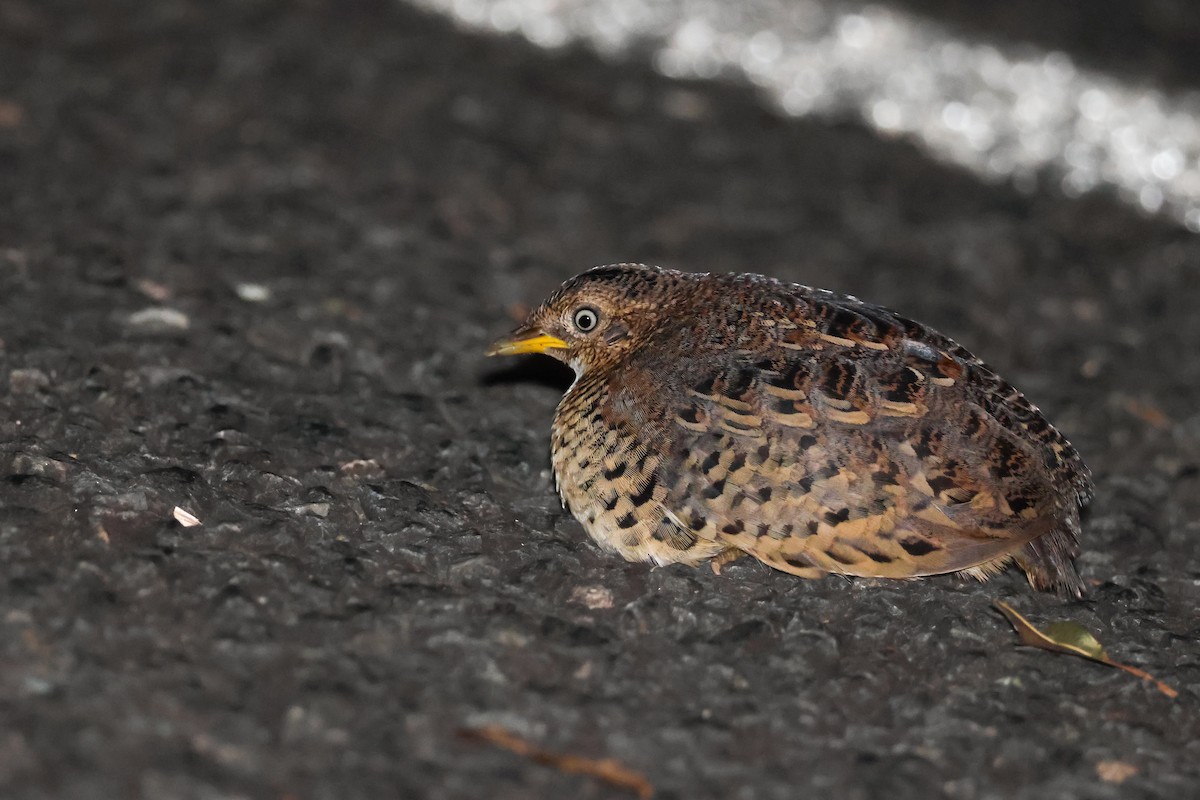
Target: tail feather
{"points": [[1049, 560]]}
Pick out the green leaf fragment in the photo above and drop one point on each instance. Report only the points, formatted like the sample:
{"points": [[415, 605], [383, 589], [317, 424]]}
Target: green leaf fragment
{"points": [[1074, 636]]}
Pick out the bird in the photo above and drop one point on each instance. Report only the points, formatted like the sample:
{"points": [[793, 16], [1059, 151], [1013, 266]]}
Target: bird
{"points": [[716, 416]]}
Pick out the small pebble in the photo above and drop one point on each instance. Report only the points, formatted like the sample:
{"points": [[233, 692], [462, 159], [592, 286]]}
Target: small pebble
{"points": [[159, 321]]}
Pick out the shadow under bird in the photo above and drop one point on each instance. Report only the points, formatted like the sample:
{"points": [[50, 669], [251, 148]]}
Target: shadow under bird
{"points": [[715, 416]]}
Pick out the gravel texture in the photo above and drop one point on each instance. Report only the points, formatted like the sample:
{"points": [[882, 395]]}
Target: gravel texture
{"points": [[251, 252]]}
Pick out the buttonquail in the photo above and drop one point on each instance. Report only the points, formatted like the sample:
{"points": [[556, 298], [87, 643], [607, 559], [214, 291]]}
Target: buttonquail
{"points": [[714, 416]]}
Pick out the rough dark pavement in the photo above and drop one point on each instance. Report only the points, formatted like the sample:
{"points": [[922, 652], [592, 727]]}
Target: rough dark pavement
{"points": [[339, 210]]}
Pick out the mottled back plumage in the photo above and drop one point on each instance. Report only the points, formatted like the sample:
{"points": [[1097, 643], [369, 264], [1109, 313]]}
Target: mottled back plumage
{"points": [[721, 415]]}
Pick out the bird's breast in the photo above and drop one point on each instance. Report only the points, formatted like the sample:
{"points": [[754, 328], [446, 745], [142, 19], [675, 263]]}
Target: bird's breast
{"points": [[607, 469]]}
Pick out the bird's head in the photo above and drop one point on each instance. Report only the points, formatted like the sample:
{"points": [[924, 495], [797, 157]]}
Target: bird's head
{"points": [[595, 318]]}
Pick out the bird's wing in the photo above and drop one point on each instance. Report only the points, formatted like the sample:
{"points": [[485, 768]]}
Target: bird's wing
{"points": [[841, 454]]}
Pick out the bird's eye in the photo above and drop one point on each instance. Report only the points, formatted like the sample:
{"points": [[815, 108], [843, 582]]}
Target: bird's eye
{"points": [[586, 319]]}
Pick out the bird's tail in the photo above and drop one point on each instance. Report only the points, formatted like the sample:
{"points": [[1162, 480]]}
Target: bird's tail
{"points": [[1049, 560]]}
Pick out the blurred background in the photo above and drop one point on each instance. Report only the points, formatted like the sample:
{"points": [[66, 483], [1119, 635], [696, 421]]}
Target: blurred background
{"points": [[1007, 91], [251, 252]]}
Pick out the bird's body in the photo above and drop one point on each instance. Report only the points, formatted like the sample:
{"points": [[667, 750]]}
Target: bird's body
{"points": [[721, 415]]}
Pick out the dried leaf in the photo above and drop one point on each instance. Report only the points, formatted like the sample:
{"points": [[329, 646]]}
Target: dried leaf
{"points": [[11, 114], [1115, 771], [158, 292], [1073, 639], [1148, 413], [608, 770], [185, 518]]}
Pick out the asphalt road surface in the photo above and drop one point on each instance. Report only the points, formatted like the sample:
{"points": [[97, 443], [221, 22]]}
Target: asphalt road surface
{"points": [[251, 253]]}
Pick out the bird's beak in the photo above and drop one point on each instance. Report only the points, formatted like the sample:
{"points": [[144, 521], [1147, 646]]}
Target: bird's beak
{"points": [[526, 340]]}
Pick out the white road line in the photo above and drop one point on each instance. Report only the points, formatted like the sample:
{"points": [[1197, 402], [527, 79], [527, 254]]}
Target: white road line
{"points": [[1013, 113]]}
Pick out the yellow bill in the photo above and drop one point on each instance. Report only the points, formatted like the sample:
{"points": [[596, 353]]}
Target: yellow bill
{"points": [[526, 342]]}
